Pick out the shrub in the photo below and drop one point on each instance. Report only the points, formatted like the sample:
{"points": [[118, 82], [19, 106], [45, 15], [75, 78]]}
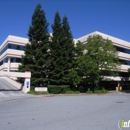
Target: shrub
{"points": [[72, 92], [76, 92], [104, 90], [32, 87], [64, 88], [97, 91], [37, 93], [89, 92], [101, 91], [69, 92], [55, 89]]}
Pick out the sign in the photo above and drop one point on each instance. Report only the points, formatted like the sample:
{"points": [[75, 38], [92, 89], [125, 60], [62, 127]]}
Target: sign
{"points": [[27, 83]]}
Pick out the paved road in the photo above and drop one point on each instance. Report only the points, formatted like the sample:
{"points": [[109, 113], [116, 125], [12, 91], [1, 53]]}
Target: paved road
{"points": [[7, 89], [93, 112]]}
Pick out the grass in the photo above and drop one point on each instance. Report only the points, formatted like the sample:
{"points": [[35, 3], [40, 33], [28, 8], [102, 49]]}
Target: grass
{"points": [[72, 92], [37, 93], [102, 91]]}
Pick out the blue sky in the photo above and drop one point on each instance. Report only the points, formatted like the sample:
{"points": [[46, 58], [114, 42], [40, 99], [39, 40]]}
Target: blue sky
{"points": [[85, 16]]}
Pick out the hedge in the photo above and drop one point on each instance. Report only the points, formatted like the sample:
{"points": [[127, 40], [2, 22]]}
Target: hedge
{"points": [[56, 89]]}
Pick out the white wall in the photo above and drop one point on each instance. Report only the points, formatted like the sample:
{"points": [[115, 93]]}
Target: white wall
{"points": [[111, 78], [14, 40], [13, 82], [116, 41], [123, 56], [12, 53]]}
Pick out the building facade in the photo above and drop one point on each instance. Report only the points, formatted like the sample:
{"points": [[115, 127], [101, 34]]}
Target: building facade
{"points": [[123, 48], [12, 49]]}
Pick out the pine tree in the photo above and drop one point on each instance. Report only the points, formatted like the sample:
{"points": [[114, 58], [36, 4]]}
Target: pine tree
{"points": [[68, 49], [61, 50], [36, 51], [55, 73]]}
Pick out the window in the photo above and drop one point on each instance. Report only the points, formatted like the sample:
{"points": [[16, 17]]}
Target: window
{"points": [[15, 60], [12, 46], [124, 62], [122, 50]]}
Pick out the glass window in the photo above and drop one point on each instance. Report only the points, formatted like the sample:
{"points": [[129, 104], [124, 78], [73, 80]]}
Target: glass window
{"points": [[12, 46], [124, 62], [122, 50], [5, 60], [15, 60]]}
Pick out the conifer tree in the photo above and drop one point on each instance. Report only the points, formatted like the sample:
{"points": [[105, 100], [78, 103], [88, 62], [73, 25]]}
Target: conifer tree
{"points": [[36, 51], [61, 50], [68, 49], [55, 73]]}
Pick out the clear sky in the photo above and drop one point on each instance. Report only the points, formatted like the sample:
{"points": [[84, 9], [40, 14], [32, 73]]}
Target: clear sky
{"points": [[85, 16]]}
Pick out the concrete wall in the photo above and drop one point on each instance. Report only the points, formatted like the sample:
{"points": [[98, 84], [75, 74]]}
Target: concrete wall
{"points": [[13, 82], [27, 75]]}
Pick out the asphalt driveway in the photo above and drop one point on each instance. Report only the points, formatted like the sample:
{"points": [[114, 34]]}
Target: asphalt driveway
{"points": [[91, 112]]}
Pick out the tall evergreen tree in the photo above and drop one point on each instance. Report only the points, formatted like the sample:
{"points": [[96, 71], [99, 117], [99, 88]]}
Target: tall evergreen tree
{"points": [[68, 50], [61, 50], [36, 51], [55, 72]]}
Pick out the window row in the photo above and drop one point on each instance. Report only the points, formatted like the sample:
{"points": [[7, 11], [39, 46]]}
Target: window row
{"points": [[124, 62], [122, 50], [12, 46], [12, 60]]}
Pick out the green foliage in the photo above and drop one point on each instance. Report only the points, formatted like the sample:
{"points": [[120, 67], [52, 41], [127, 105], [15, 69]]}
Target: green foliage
{"points": [[94, 60], [32, 88], [104, 91], [97, 91], [61, 51], [75, 78], [102, 56], [36, 51], [100, 91], [56, 89], [64, 88], [89, 92], [37, 93], [72, 92], [76, 73]]}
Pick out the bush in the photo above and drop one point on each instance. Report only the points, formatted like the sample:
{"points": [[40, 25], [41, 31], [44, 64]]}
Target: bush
{"points": [[65, 88], [72, 92], [56, 89], [69, 92], [32, 87], [101, 91], [104, 91], [76, 92], [97, 91], [37, 93], [89, 92]]}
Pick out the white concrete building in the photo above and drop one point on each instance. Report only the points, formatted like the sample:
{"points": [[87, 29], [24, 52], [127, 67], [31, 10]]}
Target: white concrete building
{"points": [[123, 48], [12, 49]]}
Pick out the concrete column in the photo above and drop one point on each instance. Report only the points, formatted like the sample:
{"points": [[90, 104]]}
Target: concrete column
{"points": [[8, 69], [27, 83]]}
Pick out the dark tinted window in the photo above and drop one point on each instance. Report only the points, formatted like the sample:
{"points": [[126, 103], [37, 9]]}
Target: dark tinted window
{"points": [[12, 46]]}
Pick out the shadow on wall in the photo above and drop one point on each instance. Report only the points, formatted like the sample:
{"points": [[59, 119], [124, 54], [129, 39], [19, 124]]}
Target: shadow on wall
{"points": [[15, 89]]}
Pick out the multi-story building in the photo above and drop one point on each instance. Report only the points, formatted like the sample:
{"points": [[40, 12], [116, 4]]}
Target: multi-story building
{"points": [[123, 48], [12, 49]]}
